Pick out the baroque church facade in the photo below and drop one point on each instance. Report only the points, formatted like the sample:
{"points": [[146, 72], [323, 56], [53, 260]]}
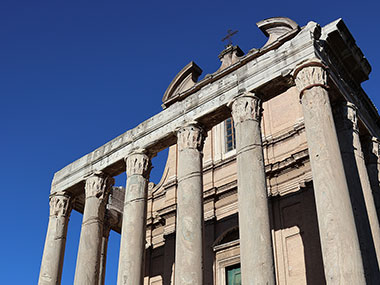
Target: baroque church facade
{"points": [[272, 175]]}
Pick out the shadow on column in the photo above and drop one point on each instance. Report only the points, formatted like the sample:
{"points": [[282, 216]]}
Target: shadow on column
{"points": [[373, 173], [367, 248]]}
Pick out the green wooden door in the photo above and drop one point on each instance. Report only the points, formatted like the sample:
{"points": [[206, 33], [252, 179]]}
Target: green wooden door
{"points": [[233, 275]]}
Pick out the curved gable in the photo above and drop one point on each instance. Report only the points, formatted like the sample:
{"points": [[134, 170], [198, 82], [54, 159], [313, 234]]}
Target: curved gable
{"points": [[183, 81]]}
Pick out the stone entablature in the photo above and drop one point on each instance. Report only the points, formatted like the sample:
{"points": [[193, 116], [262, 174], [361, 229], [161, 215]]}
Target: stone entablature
{"points": [[281, 98]]}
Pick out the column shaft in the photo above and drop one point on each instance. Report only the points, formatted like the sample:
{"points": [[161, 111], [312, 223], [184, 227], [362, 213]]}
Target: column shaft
{"points": [[132, 244], [339, 241], [89, 252], [359, 186], [189, 223], [373, 169], [54, 250], [256, 253], [103, 254]]}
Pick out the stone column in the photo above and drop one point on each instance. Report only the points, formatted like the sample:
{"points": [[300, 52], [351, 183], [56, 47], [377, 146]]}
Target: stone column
{"points": [[189, 223], [54, 250], [133, 232], [359, 184], [256, 254], [339, 241], [97, 189], [103, 253], [372, 156]]}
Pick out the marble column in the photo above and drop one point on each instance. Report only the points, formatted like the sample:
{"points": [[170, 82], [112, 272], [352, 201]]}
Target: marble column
{"points": [[54, 250], [189, 220], [359, 185], [133, 232], [256, 254], [97, 188], [339, 240], [372, 155], [103, 253]]}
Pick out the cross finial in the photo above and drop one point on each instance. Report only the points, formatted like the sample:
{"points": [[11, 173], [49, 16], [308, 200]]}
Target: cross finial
{"points": [[227, 38]]}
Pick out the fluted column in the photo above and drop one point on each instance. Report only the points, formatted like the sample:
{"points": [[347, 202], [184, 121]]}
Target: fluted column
{"points": [[339, 241], [359, 185], [133, 232], [103, 253], [372, 152], [54, 250], [189, 223], [256, 255], [97, 189]]}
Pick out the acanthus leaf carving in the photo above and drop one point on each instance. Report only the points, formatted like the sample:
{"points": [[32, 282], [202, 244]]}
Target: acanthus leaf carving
{"points": [[191, 136], [246, 107], [138, 163], [98, 184], [310, 74], [60, 205]]}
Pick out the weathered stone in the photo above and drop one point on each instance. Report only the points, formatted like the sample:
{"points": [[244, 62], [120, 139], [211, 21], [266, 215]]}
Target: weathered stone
{"points": [[103, 253], [366, 220], [372, 154], [189, 224], [256, 253], [97, 188], [335, 216], [54, 250], [132, 244], [284, 168]]}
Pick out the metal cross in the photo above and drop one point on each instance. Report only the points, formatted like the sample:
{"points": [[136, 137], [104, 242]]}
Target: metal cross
{"points": [[230, 33]]}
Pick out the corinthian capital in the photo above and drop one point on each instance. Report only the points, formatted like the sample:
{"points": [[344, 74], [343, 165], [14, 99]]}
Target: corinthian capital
{"points": [[246, 107], [98, 184], [60, 205], [138, 163], [310, 74], [191, 136]]}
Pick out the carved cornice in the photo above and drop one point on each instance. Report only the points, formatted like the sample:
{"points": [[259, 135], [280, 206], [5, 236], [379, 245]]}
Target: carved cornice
{"points": [[191, 136], [310, 74], [138, 163], [246, 107], [60, 205], [98, 184]]}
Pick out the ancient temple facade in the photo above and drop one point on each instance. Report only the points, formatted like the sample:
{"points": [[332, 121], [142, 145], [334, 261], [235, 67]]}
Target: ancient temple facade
{"points": [[272, 175]]}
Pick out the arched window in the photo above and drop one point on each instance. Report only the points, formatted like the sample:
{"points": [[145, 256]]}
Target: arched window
{"points": [[227, 258]]}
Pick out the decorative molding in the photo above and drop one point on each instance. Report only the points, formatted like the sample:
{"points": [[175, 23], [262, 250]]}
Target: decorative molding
{"points": [[246, 107], [98, 184], [310, 74], [229, 56], [191, 136], [138, 163], [60, 205], [276, 27], [184, 80]]}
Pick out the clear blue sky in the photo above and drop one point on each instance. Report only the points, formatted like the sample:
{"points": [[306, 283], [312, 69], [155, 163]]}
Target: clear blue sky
{"points": [[75, 74]]}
